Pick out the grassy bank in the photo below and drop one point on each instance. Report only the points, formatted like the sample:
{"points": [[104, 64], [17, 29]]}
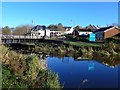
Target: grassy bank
{"points": [[106, 49], [24, 71], [88, 44], [69, 48]]}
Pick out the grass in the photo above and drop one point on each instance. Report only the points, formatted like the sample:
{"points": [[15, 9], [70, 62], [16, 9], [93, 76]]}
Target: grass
{"points": [[82, 43]]}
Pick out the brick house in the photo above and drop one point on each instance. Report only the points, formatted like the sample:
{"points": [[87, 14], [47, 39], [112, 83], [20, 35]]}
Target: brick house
{"points": [[106, 32]]}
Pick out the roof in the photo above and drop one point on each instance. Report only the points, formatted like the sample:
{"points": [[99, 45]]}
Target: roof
{"points": [[91, 27], [38, 27], [103, 29], [67, 27], [84, 30]]}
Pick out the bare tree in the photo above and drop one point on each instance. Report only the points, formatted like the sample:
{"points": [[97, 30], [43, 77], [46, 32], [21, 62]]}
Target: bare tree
{"points": [[60, 27], [6, 30], [0, 30], [115, 24], [22, 30]]}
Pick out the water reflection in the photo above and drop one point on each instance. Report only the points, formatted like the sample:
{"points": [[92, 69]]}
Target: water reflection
{"points": [[111, 62], [83, 73]]}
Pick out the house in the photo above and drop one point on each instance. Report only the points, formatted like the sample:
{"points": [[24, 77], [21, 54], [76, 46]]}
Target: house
{"points": [[92, 27], [106, 32], [39, 31], [42, 31], [55, 33], [69, 30], [81, 32]]}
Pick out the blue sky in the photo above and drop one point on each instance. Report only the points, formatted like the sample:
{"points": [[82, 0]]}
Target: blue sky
{"points": [[67, 13]]}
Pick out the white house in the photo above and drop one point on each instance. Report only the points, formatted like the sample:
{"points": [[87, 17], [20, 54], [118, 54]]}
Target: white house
{"points": [[82, 32], [69, 31], [41, 31], [38, 31], [55, 33]]}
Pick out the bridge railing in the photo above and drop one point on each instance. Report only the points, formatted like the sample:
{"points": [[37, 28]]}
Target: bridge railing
{"points": [[20, 37]]}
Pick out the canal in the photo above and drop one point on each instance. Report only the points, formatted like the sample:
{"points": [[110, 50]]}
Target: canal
{"points": [[77, 72], [83, 73]]}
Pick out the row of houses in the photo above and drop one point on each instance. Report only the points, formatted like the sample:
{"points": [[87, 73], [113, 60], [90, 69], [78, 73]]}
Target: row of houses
{"points": [[100, 32], [42, 31]]}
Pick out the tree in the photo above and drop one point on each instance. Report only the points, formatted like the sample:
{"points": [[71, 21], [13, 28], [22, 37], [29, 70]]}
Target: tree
{"points": [[77, 27], [115, 24], [0, 30], [60, 27], [51, 27], [22, 30], [6, 30]]}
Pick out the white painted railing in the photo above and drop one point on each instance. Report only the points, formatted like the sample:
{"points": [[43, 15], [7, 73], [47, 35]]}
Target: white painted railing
{"points": [[19, 37]]}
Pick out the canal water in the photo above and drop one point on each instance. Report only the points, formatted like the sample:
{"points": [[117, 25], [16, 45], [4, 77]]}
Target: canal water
{"points": [[83, 73]]}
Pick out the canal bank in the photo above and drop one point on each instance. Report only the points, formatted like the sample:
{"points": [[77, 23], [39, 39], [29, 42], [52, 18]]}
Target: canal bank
{"points": [[25, 71], [81, 48], [66, 65]]}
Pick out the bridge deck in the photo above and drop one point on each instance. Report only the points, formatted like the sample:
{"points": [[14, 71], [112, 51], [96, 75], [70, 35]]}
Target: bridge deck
{"points": [[27, 39]]}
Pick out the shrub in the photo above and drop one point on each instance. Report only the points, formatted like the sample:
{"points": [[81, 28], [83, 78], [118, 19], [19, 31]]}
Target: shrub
{"points": [[24, 71]]}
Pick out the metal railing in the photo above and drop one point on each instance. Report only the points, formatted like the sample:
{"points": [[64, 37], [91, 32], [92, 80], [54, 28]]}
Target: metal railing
{"points": [[19, 37]]}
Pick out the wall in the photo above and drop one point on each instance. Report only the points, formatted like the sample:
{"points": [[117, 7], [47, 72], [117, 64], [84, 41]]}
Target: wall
{"points": [[111, 33], [85, 33], [99, 35]]}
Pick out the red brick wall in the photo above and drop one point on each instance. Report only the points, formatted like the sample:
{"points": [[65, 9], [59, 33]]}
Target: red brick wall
{"points": [[111, 33]]}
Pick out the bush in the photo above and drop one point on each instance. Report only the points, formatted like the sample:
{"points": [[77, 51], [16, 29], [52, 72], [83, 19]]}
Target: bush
{"points": [[24, 71]]}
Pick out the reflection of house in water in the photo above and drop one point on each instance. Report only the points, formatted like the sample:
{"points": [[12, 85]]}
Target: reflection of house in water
{"points": [[82, 58], [91, 66]]}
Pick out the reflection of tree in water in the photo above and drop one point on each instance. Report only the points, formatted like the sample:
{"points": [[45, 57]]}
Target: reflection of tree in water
{"points": [[65, 60], [111, 61], [42, 59]]}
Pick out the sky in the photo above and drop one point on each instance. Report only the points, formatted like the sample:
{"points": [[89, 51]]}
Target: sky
{"points": [[67, 13], [60, 0]]}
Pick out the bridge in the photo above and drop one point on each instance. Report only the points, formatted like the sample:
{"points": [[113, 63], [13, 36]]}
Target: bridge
{"points": [[22, 39]]}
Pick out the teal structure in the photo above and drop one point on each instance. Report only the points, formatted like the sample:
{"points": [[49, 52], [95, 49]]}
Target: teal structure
{"points": [[92, 37]]}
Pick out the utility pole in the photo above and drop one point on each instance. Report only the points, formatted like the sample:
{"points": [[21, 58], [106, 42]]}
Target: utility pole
{"points": [[32, 22]]}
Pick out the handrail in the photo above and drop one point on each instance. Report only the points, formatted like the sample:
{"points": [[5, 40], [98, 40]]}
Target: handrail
{"points": [[20, 37]]}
